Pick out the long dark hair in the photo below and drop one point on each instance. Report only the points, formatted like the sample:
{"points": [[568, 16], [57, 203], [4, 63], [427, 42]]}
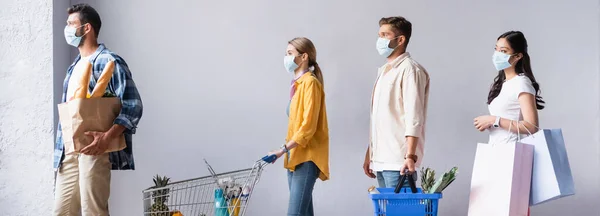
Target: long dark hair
{"points": [[518, 43]]}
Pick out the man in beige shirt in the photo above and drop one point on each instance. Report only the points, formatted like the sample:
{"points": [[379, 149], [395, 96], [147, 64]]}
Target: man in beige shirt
{"points": [[398, 109]]}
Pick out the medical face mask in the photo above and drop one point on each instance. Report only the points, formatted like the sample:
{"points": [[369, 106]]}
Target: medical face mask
{"points": [[290, 65], [500, 60], [383, 46], [70, 36]]}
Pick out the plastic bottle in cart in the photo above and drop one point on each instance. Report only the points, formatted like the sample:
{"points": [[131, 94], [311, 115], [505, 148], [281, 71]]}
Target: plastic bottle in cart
{"points": [[245, 191], [220, 203]]}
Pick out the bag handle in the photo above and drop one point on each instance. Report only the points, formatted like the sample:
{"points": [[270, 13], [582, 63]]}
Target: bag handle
{"points": [[518, 123], [525, 121], [510, 133], [411, 183]]}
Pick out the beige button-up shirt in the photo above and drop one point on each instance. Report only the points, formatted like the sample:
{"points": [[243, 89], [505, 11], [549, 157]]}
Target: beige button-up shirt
{"points": [[398, 110]]}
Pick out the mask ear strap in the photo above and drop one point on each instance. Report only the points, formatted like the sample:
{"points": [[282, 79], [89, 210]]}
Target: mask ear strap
{"points": [[399, 41], [516, 55], [84, 33]]}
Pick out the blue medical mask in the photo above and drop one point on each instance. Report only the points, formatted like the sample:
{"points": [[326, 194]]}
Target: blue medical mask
{"points": [[290, 65], [70, 36], [383, 46], [500, 60]]}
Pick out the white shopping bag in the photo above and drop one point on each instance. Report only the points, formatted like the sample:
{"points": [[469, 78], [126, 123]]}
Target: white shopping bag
{"points": [[501, 179], [551, 178]]}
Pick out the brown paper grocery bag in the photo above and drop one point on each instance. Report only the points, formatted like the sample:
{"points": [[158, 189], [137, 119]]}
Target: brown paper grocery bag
{"points": [[90, 114], [83, 114]]}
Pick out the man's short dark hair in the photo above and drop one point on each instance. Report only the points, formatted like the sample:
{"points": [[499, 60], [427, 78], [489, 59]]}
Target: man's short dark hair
{"points": [[87, 14], [399, 24]]}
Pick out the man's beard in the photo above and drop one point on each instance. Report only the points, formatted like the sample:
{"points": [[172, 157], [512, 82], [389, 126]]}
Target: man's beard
{"points": [[82, 38]]}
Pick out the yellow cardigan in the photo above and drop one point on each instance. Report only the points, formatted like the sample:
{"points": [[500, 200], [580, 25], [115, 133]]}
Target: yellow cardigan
{"points": [[308, 126]]}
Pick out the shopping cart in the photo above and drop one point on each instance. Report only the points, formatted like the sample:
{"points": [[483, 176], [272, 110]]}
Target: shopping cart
{"points": [[224, 194], [401, 201]]}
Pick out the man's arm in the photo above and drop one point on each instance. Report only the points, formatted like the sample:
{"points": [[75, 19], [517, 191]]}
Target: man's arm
{"points": [[131, 101], [128, 118], [115, 131], [367, 163], [413, 99]]}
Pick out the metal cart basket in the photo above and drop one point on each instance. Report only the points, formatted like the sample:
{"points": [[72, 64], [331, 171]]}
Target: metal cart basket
{"points": [[224, 194]]}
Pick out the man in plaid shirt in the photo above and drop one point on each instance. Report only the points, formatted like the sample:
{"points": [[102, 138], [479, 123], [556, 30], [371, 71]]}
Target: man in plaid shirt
{"points": [[83, 179]]}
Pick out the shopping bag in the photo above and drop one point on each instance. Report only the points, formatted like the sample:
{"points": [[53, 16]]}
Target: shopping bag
{"points": [[501, 179], [90, 112], [551, 178]]}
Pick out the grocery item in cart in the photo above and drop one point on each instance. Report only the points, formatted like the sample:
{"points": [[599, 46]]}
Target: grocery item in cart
{"points": [[220, 203], [442, 182], [235, 203], [245, 191], [159, 208], [225, 182], [373, 190]]}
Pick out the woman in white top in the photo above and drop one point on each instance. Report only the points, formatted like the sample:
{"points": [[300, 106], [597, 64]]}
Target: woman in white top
{"points": [[514, 97]]}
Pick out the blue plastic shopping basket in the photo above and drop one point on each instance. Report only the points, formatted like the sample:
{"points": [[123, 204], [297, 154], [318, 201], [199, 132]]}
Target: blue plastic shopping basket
{"points": [[405, 203], [400, 201]]}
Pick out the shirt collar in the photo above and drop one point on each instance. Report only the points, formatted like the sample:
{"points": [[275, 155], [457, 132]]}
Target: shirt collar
{"points": [[95, 55], [101, 48], [303, 77], [396, 62]]}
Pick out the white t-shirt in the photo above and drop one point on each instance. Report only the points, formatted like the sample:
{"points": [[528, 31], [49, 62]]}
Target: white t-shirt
{"points": [[76, 76], [507, 106]]}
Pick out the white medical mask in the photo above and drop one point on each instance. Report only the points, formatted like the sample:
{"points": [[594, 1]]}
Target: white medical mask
{"points": [[290, 65], [500, 60], [383, 46], [71, 37]]}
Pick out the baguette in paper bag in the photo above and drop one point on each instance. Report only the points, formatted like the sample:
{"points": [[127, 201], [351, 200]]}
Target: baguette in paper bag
{"points": [[96, 113]]}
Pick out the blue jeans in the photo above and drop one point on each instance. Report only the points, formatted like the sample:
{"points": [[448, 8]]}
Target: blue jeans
{"points": [[389, 179], [301, 183]]}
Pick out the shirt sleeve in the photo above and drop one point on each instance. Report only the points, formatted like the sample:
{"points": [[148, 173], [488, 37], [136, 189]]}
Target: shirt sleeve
{"points": [[413, 99], [524, 86], [312, 102], [131, 101]]}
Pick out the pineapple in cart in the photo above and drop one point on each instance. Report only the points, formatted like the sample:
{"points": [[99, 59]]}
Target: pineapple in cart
{"points": [[159, 208]]}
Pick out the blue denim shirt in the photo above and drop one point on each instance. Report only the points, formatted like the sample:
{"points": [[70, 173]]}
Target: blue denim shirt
{"points": [[121, 85]]}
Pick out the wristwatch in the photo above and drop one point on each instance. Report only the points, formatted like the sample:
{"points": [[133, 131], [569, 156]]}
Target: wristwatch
{"points": [[411, 156], [285, 149], [497, 122]]}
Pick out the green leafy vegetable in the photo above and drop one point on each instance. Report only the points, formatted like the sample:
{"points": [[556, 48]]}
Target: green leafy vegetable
{"points": [[108, 94], [428, 178]]}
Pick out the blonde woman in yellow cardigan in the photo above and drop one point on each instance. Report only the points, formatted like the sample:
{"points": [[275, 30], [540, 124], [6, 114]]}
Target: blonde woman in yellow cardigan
{"points": [[306, 151]]}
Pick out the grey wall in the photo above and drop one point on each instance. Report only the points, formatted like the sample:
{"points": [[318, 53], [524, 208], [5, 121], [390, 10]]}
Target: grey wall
{"points": [[61, 51], [214, 87], [26, 117]]}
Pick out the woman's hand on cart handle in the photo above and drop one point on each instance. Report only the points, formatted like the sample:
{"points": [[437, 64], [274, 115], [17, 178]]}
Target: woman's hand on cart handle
{"points": [[270, 158], [273, 156]]}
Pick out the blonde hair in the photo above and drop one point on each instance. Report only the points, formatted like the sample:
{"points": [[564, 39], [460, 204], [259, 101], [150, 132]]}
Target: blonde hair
{"points": [[304, 45]]}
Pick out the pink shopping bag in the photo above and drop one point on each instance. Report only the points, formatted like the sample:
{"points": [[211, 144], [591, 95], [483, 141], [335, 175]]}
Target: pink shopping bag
{"points": [[501, 180]]}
